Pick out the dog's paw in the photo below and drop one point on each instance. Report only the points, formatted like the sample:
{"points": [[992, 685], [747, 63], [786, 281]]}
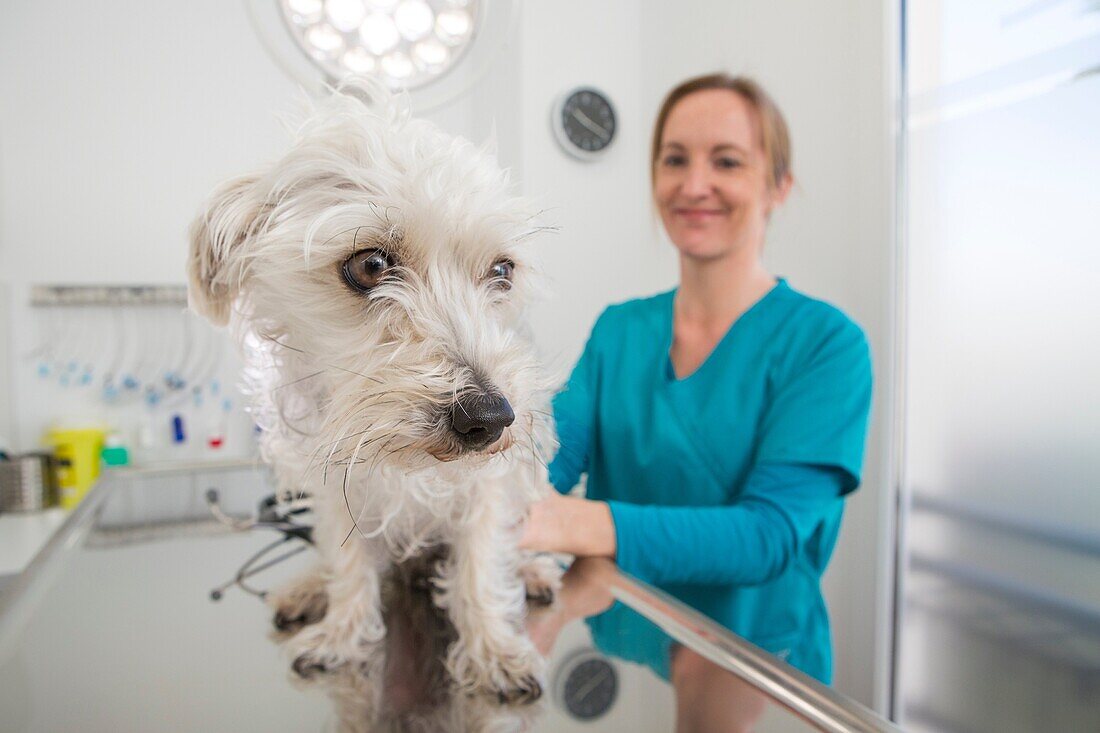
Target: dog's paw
{"points": [[327, 647], [517, 680], [541, 587], [298, 605], [524, 692], [508, 678], [290, 620], [542, 579], [308, 666], [540, 595]]}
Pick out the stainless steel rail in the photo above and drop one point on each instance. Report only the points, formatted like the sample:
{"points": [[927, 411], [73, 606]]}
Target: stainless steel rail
{"points": [[820, 706], [108, 295]]}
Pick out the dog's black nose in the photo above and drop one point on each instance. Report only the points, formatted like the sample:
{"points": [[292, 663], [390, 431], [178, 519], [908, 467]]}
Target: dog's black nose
{"points": [[480, 417]]}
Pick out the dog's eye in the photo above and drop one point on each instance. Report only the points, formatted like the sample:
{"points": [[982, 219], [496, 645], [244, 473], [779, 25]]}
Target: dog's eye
{"points": [[500, 274], [366, 268]]}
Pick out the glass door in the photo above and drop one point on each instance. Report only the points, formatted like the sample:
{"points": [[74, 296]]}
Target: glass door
{"points": [[999, 609]]}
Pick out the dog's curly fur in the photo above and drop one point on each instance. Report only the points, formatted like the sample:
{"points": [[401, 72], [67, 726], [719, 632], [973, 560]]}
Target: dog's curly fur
{"points": [[355, 392]]}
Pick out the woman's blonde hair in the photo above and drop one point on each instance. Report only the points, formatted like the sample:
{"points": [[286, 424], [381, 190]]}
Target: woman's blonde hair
{"points": [[776, 140]]}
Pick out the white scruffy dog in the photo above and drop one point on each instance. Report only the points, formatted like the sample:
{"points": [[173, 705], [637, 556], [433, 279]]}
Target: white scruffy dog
{"points": [[378, 276]]}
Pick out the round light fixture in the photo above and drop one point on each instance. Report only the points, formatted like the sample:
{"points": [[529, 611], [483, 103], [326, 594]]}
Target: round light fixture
{"points": [[408, 43]]}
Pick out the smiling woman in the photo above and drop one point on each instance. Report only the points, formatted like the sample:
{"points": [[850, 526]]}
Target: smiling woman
{"points": [[719, 168], [720, 424]]}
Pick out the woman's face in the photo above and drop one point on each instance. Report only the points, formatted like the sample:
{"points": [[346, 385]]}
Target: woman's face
{"points": [[711, 182]]}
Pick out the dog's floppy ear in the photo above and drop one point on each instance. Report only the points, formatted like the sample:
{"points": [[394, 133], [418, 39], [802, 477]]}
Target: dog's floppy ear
{"points": [[219, 235]]}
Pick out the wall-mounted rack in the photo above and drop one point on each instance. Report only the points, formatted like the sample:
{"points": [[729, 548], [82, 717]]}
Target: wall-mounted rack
{"points": [[108, 295]]}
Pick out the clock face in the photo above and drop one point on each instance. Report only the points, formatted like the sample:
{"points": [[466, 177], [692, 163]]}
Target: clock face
{"points": [[585, 122], [590, 688]]}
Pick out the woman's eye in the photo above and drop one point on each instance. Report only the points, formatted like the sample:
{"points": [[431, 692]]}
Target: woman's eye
{"points": [[728, 163], [672, 161], [500, 274], [366, 268]]}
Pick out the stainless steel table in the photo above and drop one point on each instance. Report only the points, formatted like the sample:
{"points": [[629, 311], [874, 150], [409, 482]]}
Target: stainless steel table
{"points": [[112, 629]]}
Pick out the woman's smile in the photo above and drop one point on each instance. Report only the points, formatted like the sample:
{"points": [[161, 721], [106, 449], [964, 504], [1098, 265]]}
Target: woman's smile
{"points": [[698, 214]]}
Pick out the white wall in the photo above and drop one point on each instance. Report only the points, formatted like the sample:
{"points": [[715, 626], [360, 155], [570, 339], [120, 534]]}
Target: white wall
{"points": [[111, 137], [117, 120], [115, 130], [6, 428], [606, 249]]}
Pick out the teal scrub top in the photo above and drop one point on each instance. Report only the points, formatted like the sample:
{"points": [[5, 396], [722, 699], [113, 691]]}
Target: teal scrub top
{"points": [[726, 487]]}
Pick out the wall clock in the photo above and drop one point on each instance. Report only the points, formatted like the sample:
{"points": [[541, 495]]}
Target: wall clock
{"points": [[584, 123]]}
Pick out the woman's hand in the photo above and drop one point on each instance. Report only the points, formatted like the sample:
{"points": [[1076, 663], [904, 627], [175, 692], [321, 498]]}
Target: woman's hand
{"points": [[569, 525], [586, 586]]}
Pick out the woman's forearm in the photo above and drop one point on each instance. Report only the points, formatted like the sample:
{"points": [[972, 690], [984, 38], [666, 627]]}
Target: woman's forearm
{"points": [[593, 534], [751, 541]]}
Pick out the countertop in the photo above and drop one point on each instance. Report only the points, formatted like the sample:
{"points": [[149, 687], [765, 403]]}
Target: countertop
{"points": [[23, 534]]}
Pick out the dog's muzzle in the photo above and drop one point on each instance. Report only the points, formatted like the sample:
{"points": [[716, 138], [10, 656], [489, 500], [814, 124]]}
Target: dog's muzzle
{"points": [[479, 418]]}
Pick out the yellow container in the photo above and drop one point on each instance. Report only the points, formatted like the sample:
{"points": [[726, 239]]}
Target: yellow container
{"points": [[77, 452]]}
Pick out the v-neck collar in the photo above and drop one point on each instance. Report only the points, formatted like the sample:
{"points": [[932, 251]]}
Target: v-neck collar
{"points": [[670, 371]]}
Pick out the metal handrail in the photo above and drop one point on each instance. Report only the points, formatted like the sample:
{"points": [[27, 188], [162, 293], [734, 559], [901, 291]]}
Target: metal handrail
{"points": [[820, 706]]}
